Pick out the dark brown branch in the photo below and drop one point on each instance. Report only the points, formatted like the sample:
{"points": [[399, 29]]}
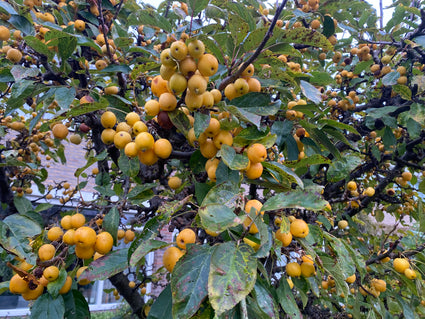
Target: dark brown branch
{"points": [[131, 295]]}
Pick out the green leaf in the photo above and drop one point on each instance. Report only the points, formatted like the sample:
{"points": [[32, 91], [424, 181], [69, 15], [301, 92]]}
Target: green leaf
{"points": [[421, 215], [90, 162], [301, 36], [66, 47], [362, 66], [339, 125], [341, 169], [197, 6], [414, 128], [189, 280], [76, 306], [64, 96], [388, 138], [144, 248], [256, 103], [111, 221], [407, 310], [201, 123], [311, 92], [88, 108], [54, 286], [47, 307], [321, 78], [287, 300], [333, 268], [232, 276], [180, 120], [295, 199], [162, 307], [282, 174], [19, 72], [390, 78], [403, 90], [7, 7], [265, 300], [320, 137], [39, 46], [328, 26], [115, 68], [129, 166], [231, 159], [22, 24], [22, 204], [107, 266], [218, 217], [310, 160]]}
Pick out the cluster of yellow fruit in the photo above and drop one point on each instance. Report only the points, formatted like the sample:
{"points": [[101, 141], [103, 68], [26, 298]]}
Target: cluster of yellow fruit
{"points": [[184, 68], [144, 145], [25, 284], [14, 55], [172, 254], [402, 266], [128, 235], [305, 269], [243, 85], [354, 192], [87, 243]]}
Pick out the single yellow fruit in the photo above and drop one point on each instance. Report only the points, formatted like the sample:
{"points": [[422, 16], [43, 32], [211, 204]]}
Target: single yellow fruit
{"points": [[401, 264], [85, 237], [66, 286], [144, 141], [132, 118], [223, 137], [247, 222], [170, 257], [121, 139], [257, 153], [78, 220], [307, 269], [100, 65], [68, 237], [162, 148], [51, 273], [60, 131], [254, 171], [80, 25], [342, 224], [132, 284], [197, 84], [174, 182], [120, 234], [252, 243], [66, 222], [4, 33], [351, 186], [186, 236], [249, 71], [152, 108], [84, 252], [379, 285], [54, 233], [129, 235], [167, 102], [104, 243], [407, 176], [410, 273], [207, 64], [178, 50], [351, 279], [108, 119], [14, 55], [33, 294], [80, 271], [213, 127], [17, 285], [107, 136], [284, 238], [254, 203], [370, 191], [196, 49], [46, 252], [299, 228], [293, 269]]}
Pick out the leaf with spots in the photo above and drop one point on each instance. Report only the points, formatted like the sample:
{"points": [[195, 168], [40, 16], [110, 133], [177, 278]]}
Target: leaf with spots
{"points": [[107, 266], [232, 276], [189, 281], [301, 36], [296, 199], [287, 300]]}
